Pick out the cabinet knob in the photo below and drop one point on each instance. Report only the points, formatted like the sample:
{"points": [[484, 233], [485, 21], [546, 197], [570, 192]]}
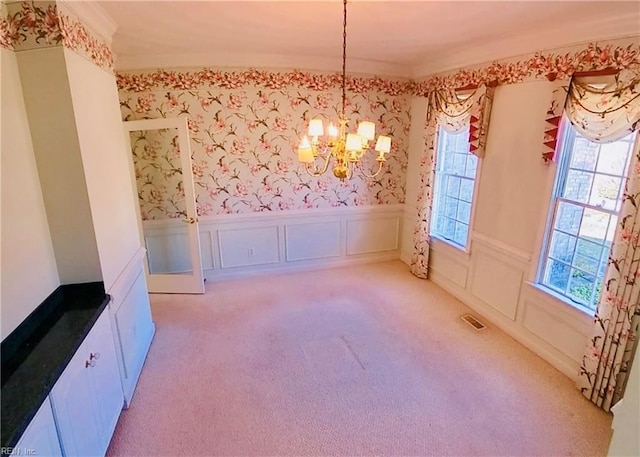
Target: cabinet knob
{"points": [[89, 363], [94, 355]]}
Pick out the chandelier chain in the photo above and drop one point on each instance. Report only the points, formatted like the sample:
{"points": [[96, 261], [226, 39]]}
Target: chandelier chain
{"points": [[344, 58]]}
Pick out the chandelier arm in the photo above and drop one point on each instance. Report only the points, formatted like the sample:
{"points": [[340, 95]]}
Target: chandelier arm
{"points": [[377, 172], [315, 172]]}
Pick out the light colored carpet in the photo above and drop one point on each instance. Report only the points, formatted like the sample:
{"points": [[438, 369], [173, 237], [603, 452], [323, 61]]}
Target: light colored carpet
{"points": [[364, 360]]}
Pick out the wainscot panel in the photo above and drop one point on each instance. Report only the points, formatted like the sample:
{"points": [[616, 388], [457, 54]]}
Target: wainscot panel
{"points": [[248, 247], [496, 290], [316, 240], [554, 331], [448, 265], [372, 235], [206, 249], [237, 245], [496, 283]]}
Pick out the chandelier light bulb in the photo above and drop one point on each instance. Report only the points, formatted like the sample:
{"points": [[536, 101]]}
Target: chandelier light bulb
{"points": [[367, 130], [333, 130], [305, 151], [383, 145], [316, 128], [353, 143]]}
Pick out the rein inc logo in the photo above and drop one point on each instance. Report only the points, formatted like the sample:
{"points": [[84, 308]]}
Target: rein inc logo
{"points": [[17, 451]]}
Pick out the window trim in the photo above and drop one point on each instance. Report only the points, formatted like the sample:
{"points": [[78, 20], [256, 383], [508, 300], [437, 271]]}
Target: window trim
{"points": [[542, 240], [543, 243], [474, 198]]}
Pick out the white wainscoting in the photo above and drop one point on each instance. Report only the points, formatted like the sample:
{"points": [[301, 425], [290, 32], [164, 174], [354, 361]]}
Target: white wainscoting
{"points": [[238, 245], [492, 280]]}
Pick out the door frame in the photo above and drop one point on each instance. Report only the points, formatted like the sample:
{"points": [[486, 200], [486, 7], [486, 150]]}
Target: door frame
{"points": [[171, 283]]}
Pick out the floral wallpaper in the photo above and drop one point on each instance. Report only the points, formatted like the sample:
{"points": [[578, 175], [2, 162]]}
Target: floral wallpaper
{"points": [[30, 25], [244, 130]]}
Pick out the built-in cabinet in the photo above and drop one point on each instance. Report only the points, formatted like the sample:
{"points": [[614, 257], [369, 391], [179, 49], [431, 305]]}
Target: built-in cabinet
{"points": [[88, 398], [41, 436], [80, 414]]}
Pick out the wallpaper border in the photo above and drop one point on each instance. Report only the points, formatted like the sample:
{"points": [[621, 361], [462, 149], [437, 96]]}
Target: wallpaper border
{"points": [[561, 62], [33, 25]]}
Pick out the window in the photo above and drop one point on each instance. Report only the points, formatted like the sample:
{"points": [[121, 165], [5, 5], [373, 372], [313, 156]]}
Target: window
{"points": [[454, 184], [584, 212]]}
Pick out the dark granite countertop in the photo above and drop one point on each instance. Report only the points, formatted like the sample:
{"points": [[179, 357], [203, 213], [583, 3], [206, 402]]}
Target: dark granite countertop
{"points": [[36, 353]]}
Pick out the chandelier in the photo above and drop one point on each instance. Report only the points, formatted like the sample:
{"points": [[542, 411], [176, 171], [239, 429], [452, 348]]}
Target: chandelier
{"points": [[347, 149]]}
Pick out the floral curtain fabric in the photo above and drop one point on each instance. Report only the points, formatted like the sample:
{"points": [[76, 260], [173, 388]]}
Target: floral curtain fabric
{"points": [[453, 112], [604, 113], [606, 362], [604, 109], [600, 108], [420, 257]]}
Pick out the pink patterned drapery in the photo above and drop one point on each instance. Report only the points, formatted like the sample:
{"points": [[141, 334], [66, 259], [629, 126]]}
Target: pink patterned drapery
{"points": [[453, 112], [605, 112]]}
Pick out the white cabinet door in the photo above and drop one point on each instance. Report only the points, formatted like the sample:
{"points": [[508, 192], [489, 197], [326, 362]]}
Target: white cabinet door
{"points": [[88, 398], [40, 438], [74, 403], [133, 331], [105, 377]]}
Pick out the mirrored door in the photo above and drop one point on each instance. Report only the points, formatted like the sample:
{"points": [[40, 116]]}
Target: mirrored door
{"points": [[168, 221]]}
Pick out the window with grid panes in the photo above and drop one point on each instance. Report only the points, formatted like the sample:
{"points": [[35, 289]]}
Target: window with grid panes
{"points": [[453, 188], [584, 213]]}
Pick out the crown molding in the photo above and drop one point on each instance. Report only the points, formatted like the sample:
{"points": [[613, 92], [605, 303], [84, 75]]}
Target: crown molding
{"points": [[272, 61], [601, 30], [92, 15]]}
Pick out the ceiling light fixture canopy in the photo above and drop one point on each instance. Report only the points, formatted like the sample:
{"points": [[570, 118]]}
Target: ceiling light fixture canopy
{"points": [[347, 149]]}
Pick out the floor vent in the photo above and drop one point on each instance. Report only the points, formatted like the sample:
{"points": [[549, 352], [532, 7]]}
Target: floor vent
{"points": [[473, 322]]}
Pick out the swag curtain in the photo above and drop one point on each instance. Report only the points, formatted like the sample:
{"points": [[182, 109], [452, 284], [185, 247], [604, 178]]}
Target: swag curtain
{"points": [[453, 112]]}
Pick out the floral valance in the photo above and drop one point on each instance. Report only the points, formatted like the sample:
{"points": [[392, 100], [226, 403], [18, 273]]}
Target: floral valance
{"points": [[601, 107], [456, 109], [604, 109]]}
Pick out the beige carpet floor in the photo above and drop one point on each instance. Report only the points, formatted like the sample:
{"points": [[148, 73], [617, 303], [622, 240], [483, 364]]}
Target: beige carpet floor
{"points": [[363, 360]]}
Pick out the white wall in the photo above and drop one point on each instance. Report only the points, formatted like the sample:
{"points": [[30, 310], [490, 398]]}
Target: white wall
{"points": [[53, 131], [105, 161], [28, 265], [494, 277]]}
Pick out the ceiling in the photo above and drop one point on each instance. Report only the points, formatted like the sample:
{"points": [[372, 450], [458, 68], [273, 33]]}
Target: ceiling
{"points": [[402, 38]]}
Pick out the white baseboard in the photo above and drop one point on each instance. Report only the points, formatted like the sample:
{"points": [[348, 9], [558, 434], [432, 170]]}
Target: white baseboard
{"points": [[240, 273]]}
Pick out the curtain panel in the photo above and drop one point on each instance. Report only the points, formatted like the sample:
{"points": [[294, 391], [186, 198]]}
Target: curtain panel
{"points": [[452, 110], [606, 363], [605, 112]]}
